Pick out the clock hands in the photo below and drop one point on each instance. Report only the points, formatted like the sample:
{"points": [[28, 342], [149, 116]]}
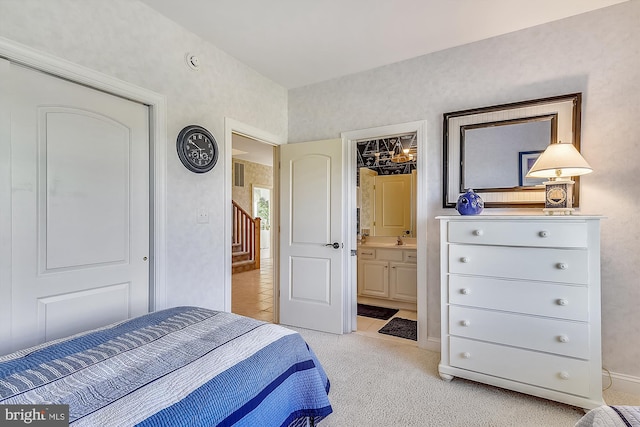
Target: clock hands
{"points": [[195, 145], [198, 155]]}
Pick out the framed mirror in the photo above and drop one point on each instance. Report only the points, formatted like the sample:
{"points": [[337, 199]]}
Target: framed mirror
{"points": [[491, 149]]}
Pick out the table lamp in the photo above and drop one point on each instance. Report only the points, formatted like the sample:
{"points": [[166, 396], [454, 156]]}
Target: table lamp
{"points": [[559, 162]]}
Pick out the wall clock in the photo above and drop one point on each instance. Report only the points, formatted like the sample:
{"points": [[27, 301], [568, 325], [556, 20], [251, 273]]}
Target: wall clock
{"points": [[197, 149]]}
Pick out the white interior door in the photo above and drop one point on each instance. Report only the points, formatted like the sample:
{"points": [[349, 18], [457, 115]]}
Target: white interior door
{"points": [[78, 207], [392, 205], [311, 269]]}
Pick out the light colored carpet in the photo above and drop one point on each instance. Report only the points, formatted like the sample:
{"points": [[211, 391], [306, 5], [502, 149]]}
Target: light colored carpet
{"points": [[376, 382]]}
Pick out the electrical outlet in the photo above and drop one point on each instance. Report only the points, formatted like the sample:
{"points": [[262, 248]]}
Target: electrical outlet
{"points": [[202, 216]]}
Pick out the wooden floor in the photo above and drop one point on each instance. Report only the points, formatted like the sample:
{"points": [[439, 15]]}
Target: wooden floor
{"points": [[252, 296]]}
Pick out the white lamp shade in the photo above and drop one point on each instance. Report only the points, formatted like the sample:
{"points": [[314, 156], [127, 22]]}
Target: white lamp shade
{"points": [[559, 160]]}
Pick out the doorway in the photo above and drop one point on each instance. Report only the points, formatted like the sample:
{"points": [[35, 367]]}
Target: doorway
{"points": [[350, 140], [252, 291], [386, 268]]}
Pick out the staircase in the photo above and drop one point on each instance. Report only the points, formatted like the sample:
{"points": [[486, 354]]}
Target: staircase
{"points": [[245, 246]]}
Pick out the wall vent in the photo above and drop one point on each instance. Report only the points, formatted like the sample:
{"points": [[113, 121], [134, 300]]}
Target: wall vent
{"points": [[238, 174]]}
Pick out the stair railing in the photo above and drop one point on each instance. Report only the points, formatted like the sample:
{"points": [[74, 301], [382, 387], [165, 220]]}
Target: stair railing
{"points": [[246, 233]]}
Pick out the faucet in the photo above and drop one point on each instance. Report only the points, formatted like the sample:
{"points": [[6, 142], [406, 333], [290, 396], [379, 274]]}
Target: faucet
{"points": [[399, 242], [363, 237]]}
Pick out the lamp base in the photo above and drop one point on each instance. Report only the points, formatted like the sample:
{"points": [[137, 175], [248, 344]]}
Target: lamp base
{"points": [[558, 197]]}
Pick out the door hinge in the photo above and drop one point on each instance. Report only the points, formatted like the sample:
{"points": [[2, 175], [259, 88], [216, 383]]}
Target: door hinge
{"points": [[354, 252]]}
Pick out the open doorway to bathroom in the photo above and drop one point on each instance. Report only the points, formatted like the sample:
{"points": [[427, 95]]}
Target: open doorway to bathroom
{"points": [[386, 179]]}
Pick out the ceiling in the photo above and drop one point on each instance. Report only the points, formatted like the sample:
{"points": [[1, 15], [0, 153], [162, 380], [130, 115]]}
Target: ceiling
{"points": [[245, 148], [300, 42]]}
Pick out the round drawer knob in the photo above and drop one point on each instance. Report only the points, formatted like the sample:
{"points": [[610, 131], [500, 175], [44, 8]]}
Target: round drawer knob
{"points": [[465, 259], [562, 265], [544, 233], [466, 355], [478, 232], [564, 375], [465, 291], [563, 338], [563, 301], [465, 323]]}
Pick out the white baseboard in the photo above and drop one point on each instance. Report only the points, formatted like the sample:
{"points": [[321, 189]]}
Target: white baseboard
{"points": [[432, 344], [622, 383]]}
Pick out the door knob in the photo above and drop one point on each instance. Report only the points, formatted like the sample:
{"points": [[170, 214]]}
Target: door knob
{"points": [[335, 245]]}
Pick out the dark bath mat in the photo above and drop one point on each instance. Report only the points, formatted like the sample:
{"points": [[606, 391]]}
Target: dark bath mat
{"points": [[376, 312], [403, 328]]}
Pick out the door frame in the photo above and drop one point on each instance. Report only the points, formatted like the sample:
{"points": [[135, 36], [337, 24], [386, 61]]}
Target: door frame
{"points": [[349, 140], [157, 104], [232, 126]]}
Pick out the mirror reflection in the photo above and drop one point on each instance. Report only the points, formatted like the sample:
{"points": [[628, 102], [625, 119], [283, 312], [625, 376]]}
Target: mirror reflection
{"points": [[504, 144], [386, 186]]}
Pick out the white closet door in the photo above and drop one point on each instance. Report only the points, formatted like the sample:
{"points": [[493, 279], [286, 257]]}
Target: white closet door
{"points": [[78, 207]]}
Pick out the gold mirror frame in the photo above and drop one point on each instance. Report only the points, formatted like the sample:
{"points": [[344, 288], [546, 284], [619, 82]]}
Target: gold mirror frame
{"points": [[565, 126]]}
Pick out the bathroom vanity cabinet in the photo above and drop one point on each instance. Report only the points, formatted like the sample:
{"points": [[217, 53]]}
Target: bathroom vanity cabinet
{"points": [[520, 301], [388, 272]]}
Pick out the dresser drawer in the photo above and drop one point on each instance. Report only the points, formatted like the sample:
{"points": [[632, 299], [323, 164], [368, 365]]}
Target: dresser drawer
{"points": [[563, 337], [540, 369], [538, 298], [367, 253], [561, 234], [553, 265]]}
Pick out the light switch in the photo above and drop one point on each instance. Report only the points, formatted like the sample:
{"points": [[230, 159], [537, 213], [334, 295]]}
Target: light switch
{"points": [[202, 216]]}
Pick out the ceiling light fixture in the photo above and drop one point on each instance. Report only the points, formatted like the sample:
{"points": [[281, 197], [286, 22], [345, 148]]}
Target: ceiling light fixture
{"points": [[402, 156]]}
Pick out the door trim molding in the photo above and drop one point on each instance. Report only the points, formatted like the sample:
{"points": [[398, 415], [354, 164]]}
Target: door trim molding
{"points": [[157, 103], [349, 140], [231, 126]]}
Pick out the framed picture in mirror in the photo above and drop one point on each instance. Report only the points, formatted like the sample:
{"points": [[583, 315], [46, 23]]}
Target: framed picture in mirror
{"points": [[527, 159]]}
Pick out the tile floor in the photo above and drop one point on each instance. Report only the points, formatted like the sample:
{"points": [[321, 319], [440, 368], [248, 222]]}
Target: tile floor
{"points": [[252, 296], [252, 292]]}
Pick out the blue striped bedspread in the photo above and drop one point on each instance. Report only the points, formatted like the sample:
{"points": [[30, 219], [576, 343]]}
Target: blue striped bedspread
{"points": [[184, 366], [611, 416]]}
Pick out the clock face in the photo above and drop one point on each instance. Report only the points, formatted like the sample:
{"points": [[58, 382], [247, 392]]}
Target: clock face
{"points": [[197, 149]]}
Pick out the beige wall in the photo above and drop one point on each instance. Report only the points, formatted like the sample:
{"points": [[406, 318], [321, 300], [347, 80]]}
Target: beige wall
{"points": [[596, 53], [255, 174]]}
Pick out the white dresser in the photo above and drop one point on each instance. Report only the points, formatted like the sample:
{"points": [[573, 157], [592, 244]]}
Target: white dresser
{"points": [[521, 304]]}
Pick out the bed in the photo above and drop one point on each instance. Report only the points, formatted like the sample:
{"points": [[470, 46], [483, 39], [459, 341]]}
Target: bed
{"points": [[611, 416], [184, 366]]}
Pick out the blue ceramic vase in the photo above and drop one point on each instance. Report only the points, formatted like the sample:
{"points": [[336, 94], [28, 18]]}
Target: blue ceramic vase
{"points": [[469, 203]]}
